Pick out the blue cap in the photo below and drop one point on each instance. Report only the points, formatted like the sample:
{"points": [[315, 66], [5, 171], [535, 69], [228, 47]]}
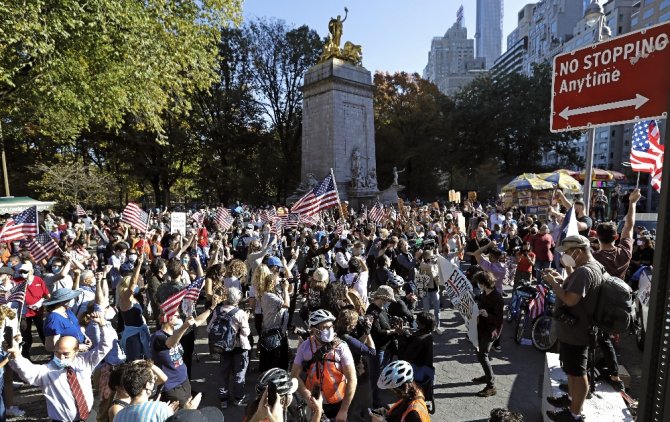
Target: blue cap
{"points": [[273, 261]]}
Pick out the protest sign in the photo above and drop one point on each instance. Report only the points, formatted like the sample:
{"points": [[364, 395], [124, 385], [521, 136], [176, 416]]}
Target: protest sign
{"points": [[178, 223], [459, 291]]}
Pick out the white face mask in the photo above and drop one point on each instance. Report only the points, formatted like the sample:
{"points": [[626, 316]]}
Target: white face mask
{"points": [[327, 335], [568, 261], [640, 242]]}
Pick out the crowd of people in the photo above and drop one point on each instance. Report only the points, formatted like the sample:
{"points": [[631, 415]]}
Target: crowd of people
{"points": [[345, 288]]}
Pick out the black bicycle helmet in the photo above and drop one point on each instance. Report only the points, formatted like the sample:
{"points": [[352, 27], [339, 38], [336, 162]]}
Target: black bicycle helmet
{"points": [[280, 378]]}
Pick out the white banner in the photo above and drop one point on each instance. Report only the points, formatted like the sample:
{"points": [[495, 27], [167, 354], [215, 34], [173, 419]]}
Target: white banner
{"points": [[459, 290], [178, 223]]}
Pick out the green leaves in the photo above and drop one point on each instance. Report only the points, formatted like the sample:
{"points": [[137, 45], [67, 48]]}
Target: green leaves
{"points": [[65, 65]]}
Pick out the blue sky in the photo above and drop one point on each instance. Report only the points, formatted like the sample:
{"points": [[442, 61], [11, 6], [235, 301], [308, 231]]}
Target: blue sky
{"points": [[395, 34]]}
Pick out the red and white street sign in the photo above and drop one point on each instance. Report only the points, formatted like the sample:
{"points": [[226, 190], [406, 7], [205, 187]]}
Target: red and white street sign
{"points": [[621, 80]]}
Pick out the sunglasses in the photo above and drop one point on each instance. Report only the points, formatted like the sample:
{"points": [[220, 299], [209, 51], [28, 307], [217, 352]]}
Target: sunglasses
{"points": [[24, 272]]}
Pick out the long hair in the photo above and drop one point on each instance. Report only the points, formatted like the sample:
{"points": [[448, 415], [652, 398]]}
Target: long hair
{"points": [[258, 279]]}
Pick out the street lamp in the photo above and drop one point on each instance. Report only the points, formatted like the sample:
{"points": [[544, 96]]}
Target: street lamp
{"points": [[594, 16]]}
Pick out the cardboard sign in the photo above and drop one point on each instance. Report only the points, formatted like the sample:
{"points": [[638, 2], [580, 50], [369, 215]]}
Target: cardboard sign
{"points": [[459, 291], [178, 223]]}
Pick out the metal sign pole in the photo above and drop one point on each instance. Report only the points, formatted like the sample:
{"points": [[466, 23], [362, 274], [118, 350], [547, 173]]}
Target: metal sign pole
{"points": [[655, 394]]}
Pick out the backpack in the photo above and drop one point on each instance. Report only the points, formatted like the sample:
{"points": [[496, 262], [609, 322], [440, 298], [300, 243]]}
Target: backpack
{"points": [[615, 310], [222, 336]]}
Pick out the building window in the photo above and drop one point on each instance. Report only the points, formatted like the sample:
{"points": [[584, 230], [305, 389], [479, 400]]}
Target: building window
{"points": [[664, 17], [633, 20], [664, 4], [648, 13]]}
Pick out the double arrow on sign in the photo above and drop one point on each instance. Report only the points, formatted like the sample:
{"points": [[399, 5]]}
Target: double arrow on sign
{"points": [[638, 102]]}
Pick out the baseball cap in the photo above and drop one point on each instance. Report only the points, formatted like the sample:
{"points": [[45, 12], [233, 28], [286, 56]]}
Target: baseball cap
{"points": [[26, 266], [6, 270], [273, 261], [572, 242]]}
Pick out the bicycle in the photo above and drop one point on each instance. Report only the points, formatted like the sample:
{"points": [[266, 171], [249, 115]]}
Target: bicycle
{"points": [[526, 294], [511, 312], [543, 334]]}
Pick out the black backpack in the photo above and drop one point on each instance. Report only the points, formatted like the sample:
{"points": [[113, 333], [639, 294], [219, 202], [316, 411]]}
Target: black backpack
{"points": [[615, 310], [222, 336]]}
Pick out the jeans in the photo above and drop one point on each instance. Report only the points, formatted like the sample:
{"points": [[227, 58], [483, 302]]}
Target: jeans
{"points": [[188, 344], [26, 332], [483, 357], [233, 364], [277, 358], [432, 301], [377, 363]]}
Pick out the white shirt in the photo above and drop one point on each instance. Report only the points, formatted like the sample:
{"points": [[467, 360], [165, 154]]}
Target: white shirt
{"points": [[53, 380]]}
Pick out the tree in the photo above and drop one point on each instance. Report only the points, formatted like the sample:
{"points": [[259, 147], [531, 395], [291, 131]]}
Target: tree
{"points": [[72, 183], [507, 119], [66, 64], [280, 56], [410, 116]]}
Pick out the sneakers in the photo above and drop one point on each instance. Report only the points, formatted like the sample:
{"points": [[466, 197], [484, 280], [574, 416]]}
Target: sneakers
{"points": [[488, 391], [480, 380], [563, 416], [617, 385], [560, 402], [241, 402], [15, 411], [497, 348]]}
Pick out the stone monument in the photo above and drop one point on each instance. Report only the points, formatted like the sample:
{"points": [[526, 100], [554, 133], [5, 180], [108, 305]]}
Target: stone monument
{"points": [[338, 121]]}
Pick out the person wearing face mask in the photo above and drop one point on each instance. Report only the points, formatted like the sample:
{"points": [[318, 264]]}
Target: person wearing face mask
{"points": [[489, 326], [326, 363], [61, 321], [59, 276], [383, 335], [576, 300], [342, 257], [480, 241], [36, 292], [542, 245], [135, 335], [66, 379]]}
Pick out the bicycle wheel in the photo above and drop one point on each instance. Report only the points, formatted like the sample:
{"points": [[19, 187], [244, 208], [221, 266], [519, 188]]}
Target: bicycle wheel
{"points": [[543, 333], [520, 326]]}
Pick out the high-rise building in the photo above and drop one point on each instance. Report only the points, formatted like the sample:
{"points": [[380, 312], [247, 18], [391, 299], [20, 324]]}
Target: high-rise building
{"points": [[451, 60], [488, 35], [522, 25]]}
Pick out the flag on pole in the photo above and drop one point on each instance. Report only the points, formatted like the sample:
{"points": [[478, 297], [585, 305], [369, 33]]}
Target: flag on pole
{"points": [[198, 217], [80, 211], [459, 16], [134, 216], [323, 196], [339, 228], [16, 294], [20, 226], [656, 177], [646, 153], [42, 246], [376, 213], [277, 226], [291, 221], [569, 225], [223, 219], [311, 220], [171, 304]]}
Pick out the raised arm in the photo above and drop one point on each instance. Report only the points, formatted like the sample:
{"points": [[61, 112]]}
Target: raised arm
{"points": [[627, 231]]}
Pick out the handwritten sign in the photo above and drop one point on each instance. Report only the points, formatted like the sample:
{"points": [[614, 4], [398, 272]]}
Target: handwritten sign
{"points": [[178, 223], [459, 291]]}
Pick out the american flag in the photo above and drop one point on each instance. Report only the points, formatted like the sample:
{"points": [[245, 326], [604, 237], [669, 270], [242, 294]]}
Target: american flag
{"points": [[135, 217], [322, 197], [80, 211], [339, 228], [192, 292], [536, 306], [20, 226], [223, 219], [646, 153], [198, 217], [376, 213], [311, 220], [393, 215], [16, 294], [42, 246], [277, 226], [268, 216], [290, 221]]}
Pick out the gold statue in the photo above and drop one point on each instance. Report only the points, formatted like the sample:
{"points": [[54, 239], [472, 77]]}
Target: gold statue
{"points": [[351, 52]]}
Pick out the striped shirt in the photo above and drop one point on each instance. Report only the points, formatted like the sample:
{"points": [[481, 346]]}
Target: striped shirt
{"points": [[149, 411]]}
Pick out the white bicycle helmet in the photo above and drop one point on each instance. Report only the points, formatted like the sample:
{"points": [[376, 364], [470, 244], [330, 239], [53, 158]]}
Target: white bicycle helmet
{"points": [[395, 375], [396, 281], [319, 316]]}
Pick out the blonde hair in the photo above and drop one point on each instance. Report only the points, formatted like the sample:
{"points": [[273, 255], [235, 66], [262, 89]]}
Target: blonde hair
{"points": [[237, 269], [258, 278], [269, 285], [125, 283]]}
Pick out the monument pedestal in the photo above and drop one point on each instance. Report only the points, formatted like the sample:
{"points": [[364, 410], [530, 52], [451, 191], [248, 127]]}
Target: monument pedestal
{"points": [[338, 129]]}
